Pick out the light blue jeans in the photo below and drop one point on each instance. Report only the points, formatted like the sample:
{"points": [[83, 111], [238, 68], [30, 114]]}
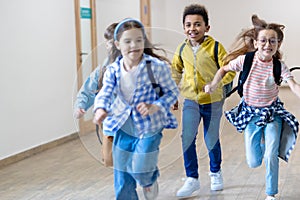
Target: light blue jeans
{"points": [[191, 117], [135, 161], [262, 142]]}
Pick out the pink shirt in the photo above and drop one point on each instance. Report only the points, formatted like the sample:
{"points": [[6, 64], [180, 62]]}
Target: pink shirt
{"points": [[260, 89]]}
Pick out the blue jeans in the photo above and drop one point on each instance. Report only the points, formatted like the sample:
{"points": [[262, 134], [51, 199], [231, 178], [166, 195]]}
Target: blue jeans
{"points": [[263, 142], [191, 117], [135, 161]]}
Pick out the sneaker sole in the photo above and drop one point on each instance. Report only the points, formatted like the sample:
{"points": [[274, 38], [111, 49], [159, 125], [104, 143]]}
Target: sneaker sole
{"points": [[217, 188], [194, 194]]}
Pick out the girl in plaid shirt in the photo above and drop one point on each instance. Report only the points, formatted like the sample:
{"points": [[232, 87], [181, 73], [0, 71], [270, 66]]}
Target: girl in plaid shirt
{"points": [[138, 114], [269, 130]]}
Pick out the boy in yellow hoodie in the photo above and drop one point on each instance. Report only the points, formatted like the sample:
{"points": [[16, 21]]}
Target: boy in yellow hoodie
{"points": [[194, 65]]}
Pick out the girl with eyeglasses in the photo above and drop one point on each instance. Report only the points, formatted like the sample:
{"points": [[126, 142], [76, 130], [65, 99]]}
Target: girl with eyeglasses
{"points": [[270, 131]]}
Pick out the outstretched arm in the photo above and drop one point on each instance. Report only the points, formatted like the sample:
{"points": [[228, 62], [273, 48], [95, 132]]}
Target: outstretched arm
{"points": [[211, 87], [295, 87]]}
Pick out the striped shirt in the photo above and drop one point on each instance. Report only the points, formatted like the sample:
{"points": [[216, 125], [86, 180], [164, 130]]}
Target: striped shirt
{"points": [[260, 89]]}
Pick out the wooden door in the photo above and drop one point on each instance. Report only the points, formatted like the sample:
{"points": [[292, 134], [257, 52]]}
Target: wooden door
{"points": [[86, 44], [145, 12]]}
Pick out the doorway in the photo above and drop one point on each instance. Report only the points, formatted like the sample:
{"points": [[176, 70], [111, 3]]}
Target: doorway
{"points": [[86, 43], [86, 58]]}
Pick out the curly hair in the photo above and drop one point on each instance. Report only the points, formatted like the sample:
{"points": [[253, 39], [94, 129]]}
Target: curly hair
{"points": [[195, 9]]}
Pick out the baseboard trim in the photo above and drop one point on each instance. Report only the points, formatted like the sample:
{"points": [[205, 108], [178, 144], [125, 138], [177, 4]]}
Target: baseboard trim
{"points": [[25, 154]]}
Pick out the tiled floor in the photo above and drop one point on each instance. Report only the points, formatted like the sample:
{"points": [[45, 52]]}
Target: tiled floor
{"points": [[72, 170]]}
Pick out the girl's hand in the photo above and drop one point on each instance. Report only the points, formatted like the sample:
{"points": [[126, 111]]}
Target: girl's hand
{"points": [[99, 116], [79, 113], [175, 106], [146, 109], [209, 88]]}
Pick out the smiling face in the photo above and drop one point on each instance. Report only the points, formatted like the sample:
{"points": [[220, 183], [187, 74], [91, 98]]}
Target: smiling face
{"points": [[131, 45], [266, 44], [195, 28]]}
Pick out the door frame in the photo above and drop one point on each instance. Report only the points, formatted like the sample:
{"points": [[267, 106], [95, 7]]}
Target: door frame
{"points": [[145, 13], [85, 126]]}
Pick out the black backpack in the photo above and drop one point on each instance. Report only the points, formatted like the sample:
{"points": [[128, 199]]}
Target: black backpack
{"points": [[226, 88], [246, 69]]}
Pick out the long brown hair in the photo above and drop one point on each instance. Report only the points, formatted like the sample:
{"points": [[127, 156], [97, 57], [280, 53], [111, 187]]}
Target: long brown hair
{"points": [[109, 37], [245, 40]]}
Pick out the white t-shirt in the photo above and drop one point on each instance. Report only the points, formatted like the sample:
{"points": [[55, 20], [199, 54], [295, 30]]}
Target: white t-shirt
{"points": [[128, 82]]}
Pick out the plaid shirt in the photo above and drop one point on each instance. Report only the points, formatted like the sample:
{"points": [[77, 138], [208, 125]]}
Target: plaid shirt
{"points": [[242, 114], [120, 110]]}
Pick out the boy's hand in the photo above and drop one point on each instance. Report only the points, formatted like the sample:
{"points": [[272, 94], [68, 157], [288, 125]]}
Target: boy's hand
{"points": [[99, 116], [209, 88]]}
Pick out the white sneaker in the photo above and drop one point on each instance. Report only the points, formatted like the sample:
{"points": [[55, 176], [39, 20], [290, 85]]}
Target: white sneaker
{"points": [[151, 193], [216, 181], [270, 198], [190, 187]]}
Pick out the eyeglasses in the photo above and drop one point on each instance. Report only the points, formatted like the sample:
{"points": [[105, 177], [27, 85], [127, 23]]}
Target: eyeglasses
{"points": [[272, 41]]}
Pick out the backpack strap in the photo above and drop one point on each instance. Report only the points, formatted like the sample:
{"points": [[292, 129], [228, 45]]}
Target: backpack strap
{"points": [[216, 54], [294, 68], [180, 51], [244, 74], [149, 70], [155, 86], [246, 69], [277, 71], [227, 89]]}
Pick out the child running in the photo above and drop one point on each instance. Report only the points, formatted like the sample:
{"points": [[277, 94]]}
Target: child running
{"points": [[138, 114], [194, 65], [88, 91], [90, 88], [269, 130]]}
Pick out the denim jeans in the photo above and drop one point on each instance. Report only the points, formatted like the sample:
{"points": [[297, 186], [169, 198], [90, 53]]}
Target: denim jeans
{"points": [[135, 162], [191, 117], [263, 142]]}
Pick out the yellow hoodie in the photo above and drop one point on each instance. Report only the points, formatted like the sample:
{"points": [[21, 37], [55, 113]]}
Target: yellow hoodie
{"points": [[198, 69]]}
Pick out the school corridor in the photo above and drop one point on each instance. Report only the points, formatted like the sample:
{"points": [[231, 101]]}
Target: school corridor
{"points": [[71, 171]]}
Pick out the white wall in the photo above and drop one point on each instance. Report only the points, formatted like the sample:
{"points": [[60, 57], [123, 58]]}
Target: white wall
{"points": [[37, 72], [109, 11], [38, 63], [228, 18]]}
